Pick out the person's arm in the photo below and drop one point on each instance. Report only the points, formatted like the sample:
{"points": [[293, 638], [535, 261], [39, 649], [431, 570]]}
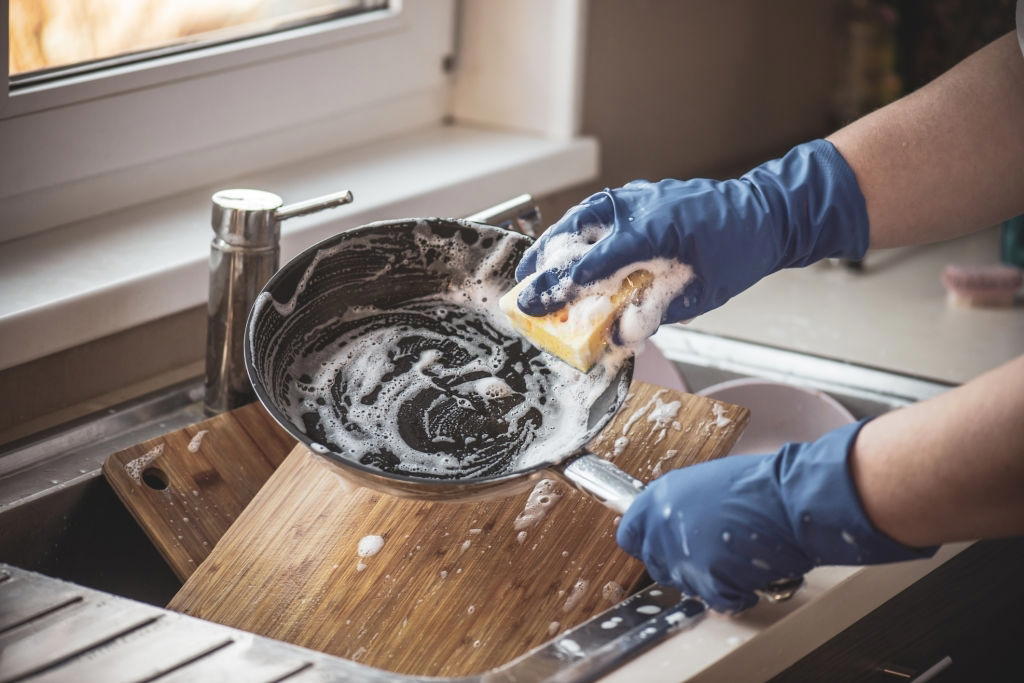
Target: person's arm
{"points": [[947, 469], [950, 468], [947, 159], [940, 162]]}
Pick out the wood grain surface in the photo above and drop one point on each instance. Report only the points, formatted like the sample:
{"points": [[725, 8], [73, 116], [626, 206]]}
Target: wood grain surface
{"points": [[211, 470], [457, 588]]}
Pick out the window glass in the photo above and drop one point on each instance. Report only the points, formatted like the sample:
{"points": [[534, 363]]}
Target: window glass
{"points": [[49, 38]]}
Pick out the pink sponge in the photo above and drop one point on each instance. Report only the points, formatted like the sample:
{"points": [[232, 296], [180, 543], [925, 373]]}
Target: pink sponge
{"points": [[994, 285]]}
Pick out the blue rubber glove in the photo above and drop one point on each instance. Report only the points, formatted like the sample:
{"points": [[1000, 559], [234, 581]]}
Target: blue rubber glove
{"points": [[787, 212], [725, 528]]}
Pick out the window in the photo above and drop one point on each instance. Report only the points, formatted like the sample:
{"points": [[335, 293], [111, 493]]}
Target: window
{"points": [[53, 38], [102, 114]]}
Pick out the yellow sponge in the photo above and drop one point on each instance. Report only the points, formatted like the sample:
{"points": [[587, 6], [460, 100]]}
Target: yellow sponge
{"points": [[577, 333]]}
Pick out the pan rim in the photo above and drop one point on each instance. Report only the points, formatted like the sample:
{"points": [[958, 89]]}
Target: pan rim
{"points": [[303, 259]]}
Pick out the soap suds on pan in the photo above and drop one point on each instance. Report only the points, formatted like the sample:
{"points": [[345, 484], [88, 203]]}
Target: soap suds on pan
{"points": [[438, 386]]}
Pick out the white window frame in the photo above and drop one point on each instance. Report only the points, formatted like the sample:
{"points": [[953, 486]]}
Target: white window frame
{"points": [[101, 141], [132, 245]]}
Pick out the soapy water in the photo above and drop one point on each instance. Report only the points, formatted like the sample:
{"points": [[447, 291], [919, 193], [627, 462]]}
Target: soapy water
{"points": [[641, 316], [438, 386]]}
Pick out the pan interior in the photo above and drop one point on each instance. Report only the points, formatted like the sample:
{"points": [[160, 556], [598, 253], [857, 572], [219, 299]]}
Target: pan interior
{"points": [[402, 362]]}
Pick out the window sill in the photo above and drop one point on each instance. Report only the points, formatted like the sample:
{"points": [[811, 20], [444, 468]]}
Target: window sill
{"points": [[85, 280]]}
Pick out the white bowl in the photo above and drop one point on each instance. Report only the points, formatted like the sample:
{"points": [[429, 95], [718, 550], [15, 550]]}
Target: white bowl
{"points": [[779, 413], [652, 367]]}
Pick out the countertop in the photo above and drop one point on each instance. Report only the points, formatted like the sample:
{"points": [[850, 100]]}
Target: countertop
{"points": [[892, 315]]}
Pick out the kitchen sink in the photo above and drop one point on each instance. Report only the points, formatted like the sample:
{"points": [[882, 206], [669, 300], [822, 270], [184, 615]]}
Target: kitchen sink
{"points": [[59, 517]]}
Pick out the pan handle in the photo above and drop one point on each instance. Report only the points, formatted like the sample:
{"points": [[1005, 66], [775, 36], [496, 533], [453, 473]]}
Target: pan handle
{"points": [[601, 480], [615, 489]]}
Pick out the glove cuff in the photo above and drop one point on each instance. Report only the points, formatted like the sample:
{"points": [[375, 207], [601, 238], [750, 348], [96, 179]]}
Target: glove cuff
{"points": [[817, 204], [824, 508]]}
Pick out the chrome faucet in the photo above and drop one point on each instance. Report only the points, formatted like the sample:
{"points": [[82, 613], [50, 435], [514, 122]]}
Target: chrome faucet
{"points": [[244, 254]]}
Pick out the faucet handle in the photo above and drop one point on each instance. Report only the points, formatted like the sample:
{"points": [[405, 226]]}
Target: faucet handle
{"points": [[520, 214], [250, 218], [246, 218], [328, 201]]}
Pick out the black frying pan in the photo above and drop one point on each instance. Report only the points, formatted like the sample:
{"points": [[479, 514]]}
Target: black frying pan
{"points": [[389, 266]]}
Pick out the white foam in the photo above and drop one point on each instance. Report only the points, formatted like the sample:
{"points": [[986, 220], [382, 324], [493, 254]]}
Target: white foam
{"points": [[135, 466], [720, 419], [640, 318], [675, 619], [197, 440], [664, 413], [612, 592], [361, 359], [656, 469], [640, 412], [542, 498], [579, 589], [369, 545], [571, 647]]}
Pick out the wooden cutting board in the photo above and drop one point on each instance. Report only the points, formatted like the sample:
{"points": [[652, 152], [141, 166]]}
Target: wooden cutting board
{"points": [[185, 488], [456, 588]]}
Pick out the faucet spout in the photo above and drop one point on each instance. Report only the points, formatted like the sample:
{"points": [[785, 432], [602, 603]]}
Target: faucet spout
{"points": [[244, 253]]}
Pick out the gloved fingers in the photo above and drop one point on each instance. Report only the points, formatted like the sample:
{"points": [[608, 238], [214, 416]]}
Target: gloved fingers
{"points": [[528, 264], [611, 255], [570, 237], [689, 304], [630, 532], [549, 291], [673, 578]]}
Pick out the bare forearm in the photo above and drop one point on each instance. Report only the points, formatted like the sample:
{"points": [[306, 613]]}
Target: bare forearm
{"points": [[951, 468], [947, 159]]}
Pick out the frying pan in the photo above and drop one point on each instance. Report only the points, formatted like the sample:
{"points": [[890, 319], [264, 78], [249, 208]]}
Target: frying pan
{"points": [[383, 266]]}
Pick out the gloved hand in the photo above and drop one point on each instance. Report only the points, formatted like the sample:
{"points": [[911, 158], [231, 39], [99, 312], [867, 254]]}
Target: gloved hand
{"points": [[725, 528], [787, 212]]}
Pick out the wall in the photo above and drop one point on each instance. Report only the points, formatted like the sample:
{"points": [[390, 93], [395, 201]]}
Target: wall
{"points": [[703, 87]]}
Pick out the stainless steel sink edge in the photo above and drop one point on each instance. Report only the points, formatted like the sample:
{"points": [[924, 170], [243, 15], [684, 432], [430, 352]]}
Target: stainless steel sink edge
{"points": [[73, 453], [38, 610], [723, 357]]}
